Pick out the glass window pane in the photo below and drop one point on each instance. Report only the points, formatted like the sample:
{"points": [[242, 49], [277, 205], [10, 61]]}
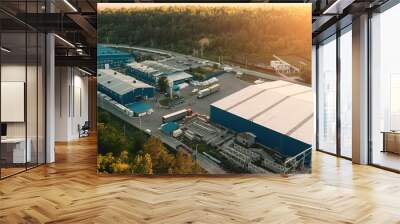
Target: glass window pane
{"points": [[13, 86], [327, 96], [385, 92], [23, 84], [346, 94], [31, 97]]}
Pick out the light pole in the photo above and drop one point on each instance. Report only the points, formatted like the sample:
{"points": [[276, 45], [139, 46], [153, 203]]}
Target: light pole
{"points": [[140, 121]]}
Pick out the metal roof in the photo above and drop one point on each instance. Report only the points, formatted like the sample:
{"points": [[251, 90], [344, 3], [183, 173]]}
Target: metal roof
{"points": [[119, 82], [159, 67], [144, 68], [178, 76], [279, 105], [107, 51]]}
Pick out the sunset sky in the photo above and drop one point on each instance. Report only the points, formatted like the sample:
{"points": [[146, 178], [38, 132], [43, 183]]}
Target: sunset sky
{"points": [[102, 6]]}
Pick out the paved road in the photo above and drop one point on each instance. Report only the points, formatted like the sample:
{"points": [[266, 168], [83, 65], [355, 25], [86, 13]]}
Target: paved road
{"points": [[239, 69], [209, 165]]}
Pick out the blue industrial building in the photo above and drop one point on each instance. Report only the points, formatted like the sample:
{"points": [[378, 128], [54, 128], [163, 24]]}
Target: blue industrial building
{"points": [[122, 88], [143, 73], [279, 114], [169, 127], [150, 71], [114, 58]]}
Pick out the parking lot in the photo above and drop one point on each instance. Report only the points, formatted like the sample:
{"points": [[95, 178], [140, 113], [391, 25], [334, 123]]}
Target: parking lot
{"points": [[229, 84]]}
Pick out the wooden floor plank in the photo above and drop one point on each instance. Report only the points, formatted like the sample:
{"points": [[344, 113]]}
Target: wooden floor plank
{"points": [[70, 191]]}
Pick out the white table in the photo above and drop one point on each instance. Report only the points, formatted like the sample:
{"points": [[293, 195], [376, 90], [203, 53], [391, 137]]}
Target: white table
{"points": [[19, 155]]}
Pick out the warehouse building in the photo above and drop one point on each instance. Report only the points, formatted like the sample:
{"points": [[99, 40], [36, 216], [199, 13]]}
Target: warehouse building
{"points": [[150, 71], [279, 114], [143, 73], [179, 77], [122, 88], [114, 58]]}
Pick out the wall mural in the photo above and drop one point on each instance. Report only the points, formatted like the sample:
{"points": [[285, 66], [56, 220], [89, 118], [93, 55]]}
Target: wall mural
{"points": [[204, 88]]}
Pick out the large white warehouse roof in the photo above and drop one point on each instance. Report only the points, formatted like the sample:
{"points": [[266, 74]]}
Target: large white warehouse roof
{"points": [[279, 105], [119, 82]]}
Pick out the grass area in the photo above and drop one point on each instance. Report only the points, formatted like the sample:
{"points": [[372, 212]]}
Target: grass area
{"points": [[202, 73], [165, 101], [248, 78]]}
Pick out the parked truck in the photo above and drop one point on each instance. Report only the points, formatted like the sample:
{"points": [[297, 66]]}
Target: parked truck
{"points": [[180, 114], [208, 91]]}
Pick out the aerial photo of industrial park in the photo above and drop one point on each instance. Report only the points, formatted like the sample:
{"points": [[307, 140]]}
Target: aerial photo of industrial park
{"points": [[204, 88]]}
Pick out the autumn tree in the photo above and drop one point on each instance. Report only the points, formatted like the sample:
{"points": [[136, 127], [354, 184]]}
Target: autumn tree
{"points": [[147, 164], [161, 159], [142, 164], [120, 167], [121, 163], [197, 169], [104, 163], [163, 84], [183, 163]]}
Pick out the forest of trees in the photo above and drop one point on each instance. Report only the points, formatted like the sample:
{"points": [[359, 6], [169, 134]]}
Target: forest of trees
{"points": [[246, 33], [126, 149]]}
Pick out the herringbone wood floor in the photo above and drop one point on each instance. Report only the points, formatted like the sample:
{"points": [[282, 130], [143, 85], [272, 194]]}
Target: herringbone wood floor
{"points": [[70, 191]]}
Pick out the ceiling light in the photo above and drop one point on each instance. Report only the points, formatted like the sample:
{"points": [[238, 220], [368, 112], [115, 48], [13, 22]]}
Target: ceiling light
{"points": [[64, 40], [70, 5], [5, 50]]}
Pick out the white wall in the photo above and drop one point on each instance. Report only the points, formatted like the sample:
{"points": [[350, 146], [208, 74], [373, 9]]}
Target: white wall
{"points": [[11, 73], [71, 103]]}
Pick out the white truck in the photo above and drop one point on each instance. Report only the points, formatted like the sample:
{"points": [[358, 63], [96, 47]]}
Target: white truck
{"points": [[208, 91], [176, 115]]}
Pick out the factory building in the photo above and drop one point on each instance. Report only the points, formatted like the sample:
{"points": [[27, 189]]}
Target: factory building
{"points": [[150, 71], [122, 88], [279, 114], [111, 57], [179, 77]]}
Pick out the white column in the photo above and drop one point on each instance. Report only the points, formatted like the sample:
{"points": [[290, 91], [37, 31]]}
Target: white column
{"points": [[62, 103], [360, 90], [50, 100]]}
